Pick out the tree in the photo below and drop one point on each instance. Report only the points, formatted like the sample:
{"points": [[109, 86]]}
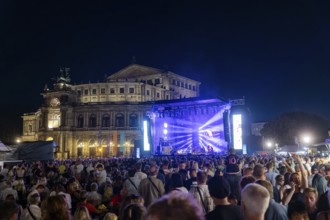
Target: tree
{"points": [[289, 126]]}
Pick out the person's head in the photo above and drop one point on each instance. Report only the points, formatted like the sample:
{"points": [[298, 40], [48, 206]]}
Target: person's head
{"points": [[246, 180], [247, 171], [270, 166], [94, 187], [279, 180], [259, 171], [176, 180], [294, 177], [9, 210], [34, 198], [175, 206], [138, 166], [153, 170], [310, 197], [255, 201], [232, 151], [201, 177], [81, 213], [134, 211], [131, 173], [267, 185], [182, 165], [192, 172], [56, 208], [297, 211], [83, 195], [110, 216], [219, 187]]}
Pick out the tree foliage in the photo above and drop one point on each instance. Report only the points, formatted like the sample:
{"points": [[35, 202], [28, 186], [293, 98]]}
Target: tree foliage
{"points": [[286, 127]]}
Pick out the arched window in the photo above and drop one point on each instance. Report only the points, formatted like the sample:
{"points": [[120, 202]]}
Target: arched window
{"points": [[80, 121], [92, 121], [120, 121], [105, 121], [133, 120]]}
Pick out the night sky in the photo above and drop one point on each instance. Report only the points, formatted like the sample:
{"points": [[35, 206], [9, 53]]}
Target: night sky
{"points": [[276, 54]]}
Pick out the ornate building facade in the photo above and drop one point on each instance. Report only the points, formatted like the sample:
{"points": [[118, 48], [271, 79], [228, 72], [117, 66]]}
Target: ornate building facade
{"points": [[103, 119]]}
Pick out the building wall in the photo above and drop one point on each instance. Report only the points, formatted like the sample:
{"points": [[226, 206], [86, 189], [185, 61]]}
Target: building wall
{"points": [[72, 115]]}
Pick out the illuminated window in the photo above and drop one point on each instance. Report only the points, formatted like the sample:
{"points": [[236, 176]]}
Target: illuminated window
{"points": [[54, 120]]}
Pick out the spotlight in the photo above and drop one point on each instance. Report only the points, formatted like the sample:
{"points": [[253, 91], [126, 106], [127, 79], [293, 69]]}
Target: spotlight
{"points": [[165, 125], [165, 131]]}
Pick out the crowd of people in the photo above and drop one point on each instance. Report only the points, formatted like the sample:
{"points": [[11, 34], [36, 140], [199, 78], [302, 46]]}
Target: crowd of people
{"points": [[168, 187]]}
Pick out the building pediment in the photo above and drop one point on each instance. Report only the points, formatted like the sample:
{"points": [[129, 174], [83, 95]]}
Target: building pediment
{"points": [[134, 71]]}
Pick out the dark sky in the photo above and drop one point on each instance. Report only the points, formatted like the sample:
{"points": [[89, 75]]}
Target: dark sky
{"points": [[274, 53]]}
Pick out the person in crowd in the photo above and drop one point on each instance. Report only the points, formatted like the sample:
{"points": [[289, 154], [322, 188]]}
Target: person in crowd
{"points": [[193, 178], [56, 208], [131, 184], [201, 193], [255, 201], [100, 174], [138, 173], [177, 183], [279, 188], [175, 206], [310, 200], [232, 173], [32, 210], [133, 211], [297, 184], [9, 210], [246, 180], [8, 189], [248, 171], [275, 211], [60, 190], [93, 196], [93, 211], [81, 213], [151, 188], [110, 216], [319, 183], [270, 173], [219, 189], [259, 172], [297, 211]]}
